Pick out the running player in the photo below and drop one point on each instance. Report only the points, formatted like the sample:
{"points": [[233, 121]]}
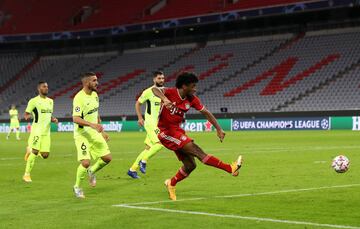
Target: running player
{"points": [[152, 143], [177, 102], [14, 122], [41, 109], [90, 138]]}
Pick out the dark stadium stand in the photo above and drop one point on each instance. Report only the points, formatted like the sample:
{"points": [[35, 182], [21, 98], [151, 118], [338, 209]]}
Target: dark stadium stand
{"points": [[249, 4], [114, 12], [255, 74], [184, 8], [39, 16], [36, 16]]}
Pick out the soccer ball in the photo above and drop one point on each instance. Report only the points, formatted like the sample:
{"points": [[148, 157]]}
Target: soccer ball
{"points": [[340, 164]]}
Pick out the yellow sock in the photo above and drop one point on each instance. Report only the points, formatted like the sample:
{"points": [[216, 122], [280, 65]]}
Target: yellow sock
{"points": [[152, 151], [80, 175], [30, 163], [98, 165], [135, 166]]}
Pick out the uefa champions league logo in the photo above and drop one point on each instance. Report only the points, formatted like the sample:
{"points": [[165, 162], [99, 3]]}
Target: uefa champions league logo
{"points": [[325, 124], [272, 124]]}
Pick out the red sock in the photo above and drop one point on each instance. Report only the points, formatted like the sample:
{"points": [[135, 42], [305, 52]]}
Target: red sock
{"points": [[180, 175], [213, 161]]}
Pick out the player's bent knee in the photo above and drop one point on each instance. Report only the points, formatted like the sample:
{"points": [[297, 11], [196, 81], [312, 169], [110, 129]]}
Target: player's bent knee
{"points": [[189, 168], [85, 163], [192, 167], [107, 158], [45, 155], [34, 151]]}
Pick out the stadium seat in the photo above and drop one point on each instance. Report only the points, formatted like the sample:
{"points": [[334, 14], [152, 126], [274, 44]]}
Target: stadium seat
{"points": [[260, 74]]}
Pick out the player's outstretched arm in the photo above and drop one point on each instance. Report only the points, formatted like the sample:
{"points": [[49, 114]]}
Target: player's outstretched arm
{"points": [[78, 120], [167, 103], [211, 118]]}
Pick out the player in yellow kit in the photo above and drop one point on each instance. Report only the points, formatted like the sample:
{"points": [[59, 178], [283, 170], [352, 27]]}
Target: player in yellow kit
{"points": [[41, 109], [90, 138], [152, 143], [14, 122]]}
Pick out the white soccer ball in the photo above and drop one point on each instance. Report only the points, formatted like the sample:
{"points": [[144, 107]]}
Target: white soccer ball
{"points": [[340, 164]]}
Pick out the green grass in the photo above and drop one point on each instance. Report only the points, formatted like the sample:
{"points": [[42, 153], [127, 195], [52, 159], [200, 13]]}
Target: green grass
{"points": [[274, 161]]}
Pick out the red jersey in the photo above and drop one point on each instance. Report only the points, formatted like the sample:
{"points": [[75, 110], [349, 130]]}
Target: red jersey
{"points": [[174, 117]]}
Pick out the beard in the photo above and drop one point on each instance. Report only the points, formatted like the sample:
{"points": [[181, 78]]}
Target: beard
{"points": [[159, 85], [94, 88]]}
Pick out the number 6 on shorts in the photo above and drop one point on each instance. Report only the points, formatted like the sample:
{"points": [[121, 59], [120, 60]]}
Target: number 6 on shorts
{"points": [[82, 147]]}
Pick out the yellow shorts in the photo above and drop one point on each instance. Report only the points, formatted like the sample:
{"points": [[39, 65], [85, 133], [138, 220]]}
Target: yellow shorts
{"points": [[91, 146], [14, 124], [152, 132], [42, 143]]}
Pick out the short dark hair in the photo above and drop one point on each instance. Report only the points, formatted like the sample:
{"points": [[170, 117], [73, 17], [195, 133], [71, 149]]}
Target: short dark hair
{"points": [[87, 74], [156, 73], [186, 78], [41, 82]]}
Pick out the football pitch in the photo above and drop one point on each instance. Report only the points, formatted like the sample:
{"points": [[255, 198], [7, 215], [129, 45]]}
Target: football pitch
{"points": [[286, 182]]}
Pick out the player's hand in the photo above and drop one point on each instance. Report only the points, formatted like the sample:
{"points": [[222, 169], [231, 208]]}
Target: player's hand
{"points": [[168, 104], [221, 135], [105, 136], [141, 122], [98, 127], [55, 120]]}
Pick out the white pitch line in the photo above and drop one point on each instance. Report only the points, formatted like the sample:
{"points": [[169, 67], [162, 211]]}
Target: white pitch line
{"points": [[243, 195], [289, 191], [239, 217], [321, 162], [164, 201]]}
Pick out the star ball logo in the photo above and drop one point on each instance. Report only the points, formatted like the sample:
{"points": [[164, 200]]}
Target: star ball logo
{"points": [[325, 124], [236, 125]]}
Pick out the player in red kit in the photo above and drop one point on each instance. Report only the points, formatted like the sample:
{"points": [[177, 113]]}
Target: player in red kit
{"points": [[176, 102]]}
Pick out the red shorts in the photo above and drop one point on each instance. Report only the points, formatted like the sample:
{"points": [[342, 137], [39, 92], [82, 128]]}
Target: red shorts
{"points": [[174, 140]]}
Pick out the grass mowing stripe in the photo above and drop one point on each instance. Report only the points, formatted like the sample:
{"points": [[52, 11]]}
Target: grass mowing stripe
{"points": [[244, 195], [238, 217]]}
